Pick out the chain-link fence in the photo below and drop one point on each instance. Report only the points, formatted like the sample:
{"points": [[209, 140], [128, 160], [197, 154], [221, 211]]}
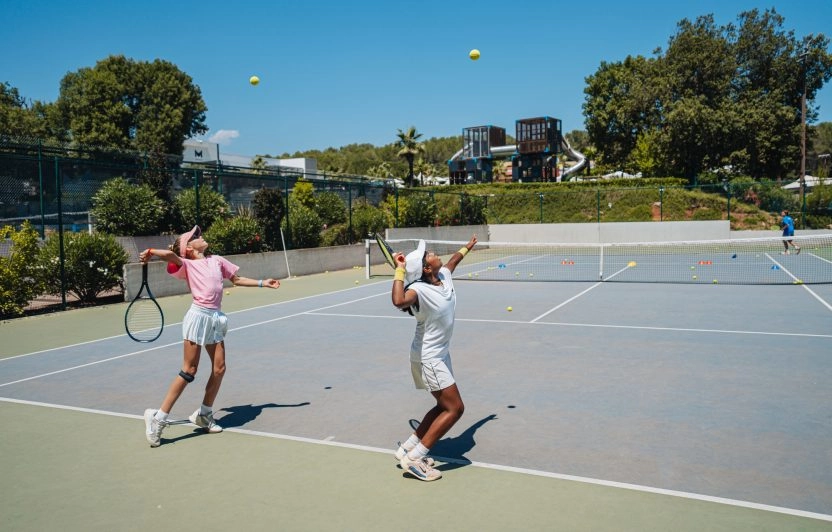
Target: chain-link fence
{"points": [[52, 187]]}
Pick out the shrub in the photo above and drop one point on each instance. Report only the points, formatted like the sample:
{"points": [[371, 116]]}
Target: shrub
{"points": [[472, 210], [330, 207], [212, 207], [304, 226], [421, 211], [231, 236], [391, 209], [269, 210], [367, 219], [20, 278], [336, 235], [121, 208], [304, 193], [92, 264]]}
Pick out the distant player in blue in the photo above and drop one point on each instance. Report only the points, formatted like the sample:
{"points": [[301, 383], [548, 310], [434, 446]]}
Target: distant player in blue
{"points": [[787, 223]]}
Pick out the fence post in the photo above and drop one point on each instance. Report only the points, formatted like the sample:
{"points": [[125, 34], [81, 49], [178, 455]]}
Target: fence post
{"points": [[396, 221], [40, 188], [349, 196], [540, 201], [598, 204], [62, 256]]}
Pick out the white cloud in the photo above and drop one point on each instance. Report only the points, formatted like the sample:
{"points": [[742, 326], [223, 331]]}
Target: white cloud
{"points": [[224, 136]]}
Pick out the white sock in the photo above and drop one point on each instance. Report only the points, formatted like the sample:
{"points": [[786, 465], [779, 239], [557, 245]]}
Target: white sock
{"points": [[161, 416], [411, 442], [204, 410], [418, 452]]}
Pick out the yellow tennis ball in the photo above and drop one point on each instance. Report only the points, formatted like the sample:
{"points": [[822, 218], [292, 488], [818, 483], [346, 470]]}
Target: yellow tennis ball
{"points": [[254, 80], [508, 309], [715, 281], [694, 277], [356, 282], [228, 292], [474, 54]]}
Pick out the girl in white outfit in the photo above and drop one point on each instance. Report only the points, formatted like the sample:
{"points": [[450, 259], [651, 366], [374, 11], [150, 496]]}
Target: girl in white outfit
{"points": [[429, 295]]}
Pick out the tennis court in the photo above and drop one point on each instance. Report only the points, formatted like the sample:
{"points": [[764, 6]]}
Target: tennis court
{"points": [[589, 406]]}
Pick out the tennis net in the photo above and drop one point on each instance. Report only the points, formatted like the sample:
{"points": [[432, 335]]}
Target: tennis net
{"points": [[735, 261]]}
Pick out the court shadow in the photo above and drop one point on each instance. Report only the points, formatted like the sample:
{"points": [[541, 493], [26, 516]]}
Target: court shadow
{"points": [[240, 415], [454, 449], [196, 432]]}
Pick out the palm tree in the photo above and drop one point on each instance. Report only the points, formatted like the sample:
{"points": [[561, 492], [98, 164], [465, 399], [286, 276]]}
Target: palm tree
{"points": [[409, 148]]}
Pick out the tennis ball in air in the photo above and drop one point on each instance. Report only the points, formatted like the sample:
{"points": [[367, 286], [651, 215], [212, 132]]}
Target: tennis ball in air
{"points": [[254, 80], [509, 309], [474, 54]]}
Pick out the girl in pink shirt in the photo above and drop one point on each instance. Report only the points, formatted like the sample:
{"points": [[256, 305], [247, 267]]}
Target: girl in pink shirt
{"points": [[204, 325]]}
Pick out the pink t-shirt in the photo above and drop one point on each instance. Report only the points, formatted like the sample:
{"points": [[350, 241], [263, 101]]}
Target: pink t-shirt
{"points": [[204, 277]]}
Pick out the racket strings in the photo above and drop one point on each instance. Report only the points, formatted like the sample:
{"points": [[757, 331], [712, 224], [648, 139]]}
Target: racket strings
{"points": [[144, 320]]}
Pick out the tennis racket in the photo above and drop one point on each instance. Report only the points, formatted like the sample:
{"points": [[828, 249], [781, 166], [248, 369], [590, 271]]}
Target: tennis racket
{"points": [[386, 250], [144, 320]]}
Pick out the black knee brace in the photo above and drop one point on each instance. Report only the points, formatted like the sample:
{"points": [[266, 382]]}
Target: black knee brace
{"points": [[187, 376]]}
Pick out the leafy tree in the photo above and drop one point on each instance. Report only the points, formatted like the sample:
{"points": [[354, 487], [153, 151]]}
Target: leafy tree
{"points": [[23, 119], [305, 226], [366, 220], [123, 209], [409, 148], [421, 210], [127, 104], [212, 207], [719, 96], [303, 193]]}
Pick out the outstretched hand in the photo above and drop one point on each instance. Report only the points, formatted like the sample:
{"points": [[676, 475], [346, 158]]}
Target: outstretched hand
{"points": [[271, 283]]}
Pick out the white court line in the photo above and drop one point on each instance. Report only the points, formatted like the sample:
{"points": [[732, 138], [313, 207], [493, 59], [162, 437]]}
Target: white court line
{"points": [[596, 285], [597, 325], [523, 471], [179, 342], [812, 292], [179, 323]]}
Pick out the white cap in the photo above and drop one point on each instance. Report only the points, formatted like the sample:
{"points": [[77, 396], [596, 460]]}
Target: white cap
{"points": [[413, 263]]}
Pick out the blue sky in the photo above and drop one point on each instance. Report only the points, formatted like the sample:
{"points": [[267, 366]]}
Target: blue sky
{"points": [[335, 73]]}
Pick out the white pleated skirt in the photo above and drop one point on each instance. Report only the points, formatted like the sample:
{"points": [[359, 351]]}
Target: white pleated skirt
{"points": [[204, 326]]}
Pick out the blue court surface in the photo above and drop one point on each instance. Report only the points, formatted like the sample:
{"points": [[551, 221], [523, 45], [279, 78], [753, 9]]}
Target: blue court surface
{"points": [[694, 392]]}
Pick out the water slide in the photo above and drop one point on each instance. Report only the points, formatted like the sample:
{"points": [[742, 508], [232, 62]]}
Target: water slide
{"points": [[570, 152]]}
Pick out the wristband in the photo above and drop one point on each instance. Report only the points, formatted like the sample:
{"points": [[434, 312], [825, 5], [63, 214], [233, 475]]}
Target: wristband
{"points": [[260, 283], [463, 251], [400, 274]]}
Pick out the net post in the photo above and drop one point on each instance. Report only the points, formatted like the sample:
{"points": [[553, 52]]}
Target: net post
{"points": [[366, 258], [601, 263]]}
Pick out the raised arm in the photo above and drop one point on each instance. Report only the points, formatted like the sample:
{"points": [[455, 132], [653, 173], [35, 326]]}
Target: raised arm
{"points": [[164, 254], [459, 255], [402, 298]]}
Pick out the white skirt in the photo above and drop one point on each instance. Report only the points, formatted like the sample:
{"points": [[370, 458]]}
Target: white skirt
{"points": [[432, 375], [204, 326]]}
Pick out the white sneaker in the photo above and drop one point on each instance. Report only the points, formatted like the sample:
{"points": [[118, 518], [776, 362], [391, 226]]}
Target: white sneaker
{"points": [[784, 253], [400, 453], [153, 428], [205, 422], [420, 469]]}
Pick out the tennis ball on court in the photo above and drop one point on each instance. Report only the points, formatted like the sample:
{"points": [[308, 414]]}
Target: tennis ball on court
{"points": [[694, 277], [474, 54], [715, 281], [799, 281], [693, 267], [228, 292], [356, 282], [509, 309], [254, 80]]}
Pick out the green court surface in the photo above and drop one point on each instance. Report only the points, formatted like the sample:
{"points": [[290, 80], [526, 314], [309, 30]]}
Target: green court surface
{"points": [[69, 470], [67, 467]]}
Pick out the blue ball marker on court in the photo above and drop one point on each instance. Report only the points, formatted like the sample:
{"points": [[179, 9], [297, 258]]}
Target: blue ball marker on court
{"points": [[502, 266], [775, 267], [734, 256]]}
